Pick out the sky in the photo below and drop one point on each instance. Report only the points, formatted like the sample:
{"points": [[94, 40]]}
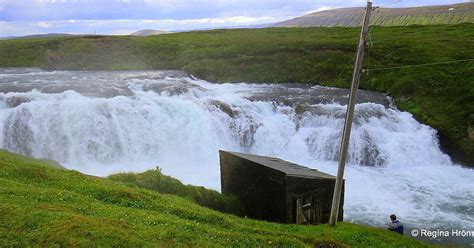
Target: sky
{"points": [[26, 17]]}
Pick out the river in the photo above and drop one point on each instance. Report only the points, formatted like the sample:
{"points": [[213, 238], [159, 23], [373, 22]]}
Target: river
{"points": [[103, 122]]}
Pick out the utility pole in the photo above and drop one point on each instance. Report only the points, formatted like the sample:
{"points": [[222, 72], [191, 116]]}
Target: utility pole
{"points": [[349, 116]]}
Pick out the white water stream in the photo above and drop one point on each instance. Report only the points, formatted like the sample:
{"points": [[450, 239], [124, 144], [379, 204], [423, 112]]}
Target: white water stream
{"points": [[104, 122]]}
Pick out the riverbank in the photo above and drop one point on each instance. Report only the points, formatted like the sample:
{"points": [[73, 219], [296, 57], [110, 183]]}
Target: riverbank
{"points": [[440, 95], [45, 206]]}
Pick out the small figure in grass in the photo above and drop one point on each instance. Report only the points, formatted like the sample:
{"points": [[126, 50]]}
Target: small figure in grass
{"points": [[395, 225]]}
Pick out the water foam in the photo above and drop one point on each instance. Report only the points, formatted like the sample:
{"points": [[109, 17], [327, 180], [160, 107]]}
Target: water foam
{"points": [[179, 123]]}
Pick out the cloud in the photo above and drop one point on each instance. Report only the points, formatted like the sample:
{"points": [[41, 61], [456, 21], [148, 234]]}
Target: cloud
{"points": [[49, 10], [121, 27], [323, 8], [44, 24], [22, 17]]}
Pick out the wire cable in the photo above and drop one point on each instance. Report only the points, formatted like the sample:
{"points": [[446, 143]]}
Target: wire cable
{"points": [[417, 65]]}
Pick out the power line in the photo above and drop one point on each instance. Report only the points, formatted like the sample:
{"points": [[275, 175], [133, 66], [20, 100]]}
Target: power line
{"points": [[286, 144], [387, 4], [417, 65]]}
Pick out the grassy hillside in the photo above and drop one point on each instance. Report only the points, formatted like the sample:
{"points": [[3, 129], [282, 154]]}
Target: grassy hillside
{"points": [[156, 181], [352, 17], [439, 95], [44, 206]]}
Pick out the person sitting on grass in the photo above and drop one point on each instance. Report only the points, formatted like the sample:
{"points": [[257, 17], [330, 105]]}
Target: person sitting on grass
{"points": [[395, 225]]}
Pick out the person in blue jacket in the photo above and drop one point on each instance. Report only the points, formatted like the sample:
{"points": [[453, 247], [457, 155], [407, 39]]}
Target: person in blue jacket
{"points": [[395, 225]]}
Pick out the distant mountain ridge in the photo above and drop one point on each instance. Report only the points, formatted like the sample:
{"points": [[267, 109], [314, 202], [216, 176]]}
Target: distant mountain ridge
{"points": [[35, 36], [147, 32], [350, 17]]}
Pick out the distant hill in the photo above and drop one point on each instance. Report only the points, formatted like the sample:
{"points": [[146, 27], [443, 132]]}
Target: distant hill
{"points": [[7, 37], [35, 36], [44, 35], [147, 32], [349, 17]]}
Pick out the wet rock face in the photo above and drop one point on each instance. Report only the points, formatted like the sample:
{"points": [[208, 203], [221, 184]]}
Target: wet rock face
{"points": [[178, 87], [224, 107], [14, 101], [18, 136], [105, 84], [301, 94]]}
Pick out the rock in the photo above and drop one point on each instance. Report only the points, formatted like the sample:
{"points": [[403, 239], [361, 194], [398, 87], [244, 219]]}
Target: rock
{"points": [[301, 108], [14, 101], [224, 107]]}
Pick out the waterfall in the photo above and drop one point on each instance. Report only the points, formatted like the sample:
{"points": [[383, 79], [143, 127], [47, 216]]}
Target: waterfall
{"points": [[104, 122]]}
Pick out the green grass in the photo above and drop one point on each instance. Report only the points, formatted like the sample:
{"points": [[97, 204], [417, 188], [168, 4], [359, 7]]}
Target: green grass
{"points": [[45, 206], [439, 95], [156, 181]]}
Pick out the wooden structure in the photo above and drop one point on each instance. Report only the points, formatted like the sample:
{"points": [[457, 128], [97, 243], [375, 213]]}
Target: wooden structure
{"points": [[276, 190]]}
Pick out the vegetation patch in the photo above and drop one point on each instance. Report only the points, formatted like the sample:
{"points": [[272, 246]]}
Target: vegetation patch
{"points": [[156, 181]]}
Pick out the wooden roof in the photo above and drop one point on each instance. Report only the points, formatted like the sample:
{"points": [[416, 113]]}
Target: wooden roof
{"points": [[290, 169]]}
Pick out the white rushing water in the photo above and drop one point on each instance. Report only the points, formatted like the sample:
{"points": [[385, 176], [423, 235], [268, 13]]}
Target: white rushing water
{"points": [[104, 122]]}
